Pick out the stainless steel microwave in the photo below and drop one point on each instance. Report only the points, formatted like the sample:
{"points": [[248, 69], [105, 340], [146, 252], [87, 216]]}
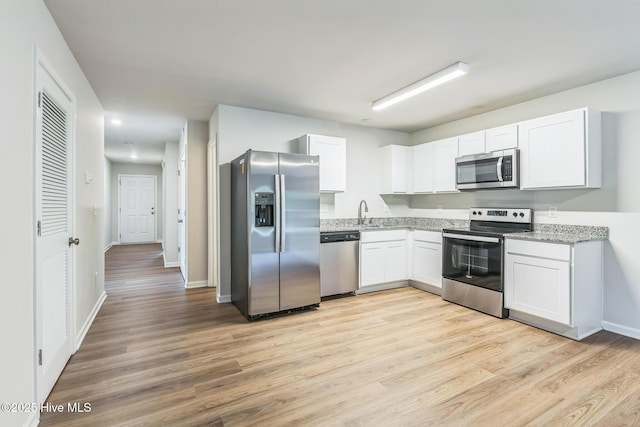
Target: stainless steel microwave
{"points": [[498, 169]]}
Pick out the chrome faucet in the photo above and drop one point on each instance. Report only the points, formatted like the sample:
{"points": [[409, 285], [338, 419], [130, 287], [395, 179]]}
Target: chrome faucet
{"points": [[361, 217]]}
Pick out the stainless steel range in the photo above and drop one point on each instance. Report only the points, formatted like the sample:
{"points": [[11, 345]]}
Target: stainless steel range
{"points": [[473, 258]]}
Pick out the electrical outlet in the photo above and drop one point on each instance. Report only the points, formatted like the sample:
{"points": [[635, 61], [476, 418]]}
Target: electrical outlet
{"points": [[324, 208], [553, 212], [439, 209]]}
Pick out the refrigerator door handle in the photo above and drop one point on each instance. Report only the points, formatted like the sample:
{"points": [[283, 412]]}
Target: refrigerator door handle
{"points": [[283, 212], [277, 211]]}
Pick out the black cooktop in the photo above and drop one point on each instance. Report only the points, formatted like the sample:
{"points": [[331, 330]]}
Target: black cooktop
{"points": [[496, 222]]}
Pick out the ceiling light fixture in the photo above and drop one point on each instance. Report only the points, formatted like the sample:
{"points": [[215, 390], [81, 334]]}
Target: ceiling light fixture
{"points": [[116, 122], [420, 86], [133, 156]]}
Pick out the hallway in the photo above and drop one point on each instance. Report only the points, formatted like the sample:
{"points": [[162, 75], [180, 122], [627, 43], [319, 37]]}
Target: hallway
{"points": [[132, 361]]}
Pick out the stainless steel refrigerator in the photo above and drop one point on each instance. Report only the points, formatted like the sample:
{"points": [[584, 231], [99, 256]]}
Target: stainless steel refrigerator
{"points": [[275, 232]]}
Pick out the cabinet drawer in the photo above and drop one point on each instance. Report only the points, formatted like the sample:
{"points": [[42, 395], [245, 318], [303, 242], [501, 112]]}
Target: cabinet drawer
{"points": [[427, 236], [382, 236], [539, 249]]}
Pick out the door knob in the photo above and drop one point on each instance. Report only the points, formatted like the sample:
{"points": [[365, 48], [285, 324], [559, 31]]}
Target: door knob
{"points": [[73, 241], [180, 221]]}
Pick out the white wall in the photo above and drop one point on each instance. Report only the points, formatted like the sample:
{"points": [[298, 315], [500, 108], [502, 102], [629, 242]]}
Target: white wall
{"points": [[616, 205], [170, 204], [23, 25], [135, 169], [107, 204], [240, 129]]}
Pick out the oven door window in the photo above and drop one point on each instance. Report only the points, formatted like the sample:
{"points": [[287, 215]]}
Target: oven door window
{"points": [[477, 171], [475, 263]]}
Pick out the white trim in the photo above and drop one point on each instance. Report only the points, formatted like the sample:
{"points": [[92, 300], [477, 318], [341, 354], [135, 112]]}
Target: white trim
{"points": [[621, 330], [87, 324], [155, 201], [222, 299], [33, 420], [169, 264], [198, 284], [109, 246]]}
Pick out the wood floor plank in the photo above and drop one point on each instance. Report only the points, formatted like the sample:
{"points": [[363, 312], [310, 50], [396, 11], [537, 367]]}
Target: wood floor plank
{"points": [[159, 354]]}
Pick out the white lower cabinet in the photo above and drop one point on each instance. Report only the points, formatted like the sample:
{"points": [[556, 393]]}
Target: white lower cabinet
{"points": [[557, 287], [383, 259], [426, 260]]}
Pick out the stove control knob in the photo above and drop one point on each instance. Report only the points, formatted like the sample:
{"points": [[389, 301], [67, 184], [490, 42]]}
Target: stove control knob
{"points": [[479, 212], [521, 214], [515, 214], [474, 213]]}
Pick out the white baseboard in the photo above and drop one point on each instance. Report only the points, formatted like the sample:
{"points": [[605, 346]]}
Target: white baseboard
{"points": [[223, 299], [115, 243], [198, 284], [169, 264], [33, 420], [87, 324], [621, 330], [109, 246]]}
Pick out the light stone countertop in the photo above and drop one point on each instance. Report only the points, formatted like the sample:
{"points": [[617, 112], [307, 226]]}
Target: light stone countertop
{"points": [[391, 223], [562, 233], [551, 233]]}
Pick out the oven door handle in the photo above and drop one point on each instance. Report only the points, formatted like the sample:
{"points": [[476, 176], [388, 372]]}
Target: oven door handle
{"points": [[472, 238]]}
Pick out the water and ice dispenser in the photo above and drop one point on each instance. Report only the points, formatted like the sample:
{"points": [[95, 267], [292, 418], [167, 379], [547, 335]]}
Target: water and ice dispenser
{"points": [[264, 209]]}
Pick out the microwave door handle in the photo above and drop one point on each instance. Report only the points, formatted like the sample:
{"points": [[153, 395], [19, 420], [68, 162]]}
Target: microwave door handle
{"points": [[499, 166]]}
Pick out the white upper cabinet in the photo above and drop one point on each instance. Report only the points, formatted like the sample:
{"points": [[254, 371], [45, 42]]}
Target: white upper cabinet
{"points": [[561, 150], [501, 138], [471, 143], [333, 160], [394, 169], [445, 152], [422, 158]]}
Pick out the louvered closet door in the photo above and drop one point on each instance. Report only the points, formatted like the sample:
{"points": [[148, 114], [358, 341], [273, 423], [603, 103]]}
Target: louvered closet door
{"points": [[53, 229]]}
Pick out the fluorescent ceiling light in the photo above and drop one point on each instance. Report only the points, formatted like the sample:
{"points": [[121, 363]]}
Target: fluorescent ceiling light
{"points": [[133, 156], [116, 122], [420, 86]]}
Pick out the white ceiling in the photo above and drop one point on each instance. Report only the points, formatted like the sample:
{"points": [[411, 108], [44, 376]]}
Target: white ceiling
{"points": [[156, 63]]}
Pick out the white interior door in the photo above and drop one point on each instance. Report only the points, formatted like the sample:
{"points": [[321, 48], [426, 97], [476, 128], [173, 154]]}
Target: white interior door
{"points": [[137, 209], [54, 209], [182, 216]]}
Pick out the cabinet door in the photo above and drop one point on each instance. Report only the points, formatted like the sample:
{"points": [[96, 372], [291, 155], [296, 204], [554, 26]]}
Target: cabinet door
{"points": [[395, 261], [552, 151], [444, 165], [471, 143], [372, 263], [501, 138], [538, 286], [427, 263], [393, 169], [422, 158], [333, 161]]}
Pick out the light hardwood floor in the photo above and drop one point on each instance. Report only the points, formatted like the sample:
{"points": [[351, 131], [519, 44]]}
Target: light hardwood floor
{"points": [[158, 354]]}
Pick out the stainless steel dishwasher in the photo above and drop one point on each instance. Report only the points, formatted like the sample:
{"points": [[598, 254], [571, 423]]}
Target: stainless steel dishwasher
{"points": [[338, 262]]}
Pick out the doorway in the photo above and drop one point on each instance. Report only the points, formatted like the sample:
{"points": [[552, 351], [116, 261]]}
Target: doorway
{"points": [[137, 208], [182, 216], [54, 241]]}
